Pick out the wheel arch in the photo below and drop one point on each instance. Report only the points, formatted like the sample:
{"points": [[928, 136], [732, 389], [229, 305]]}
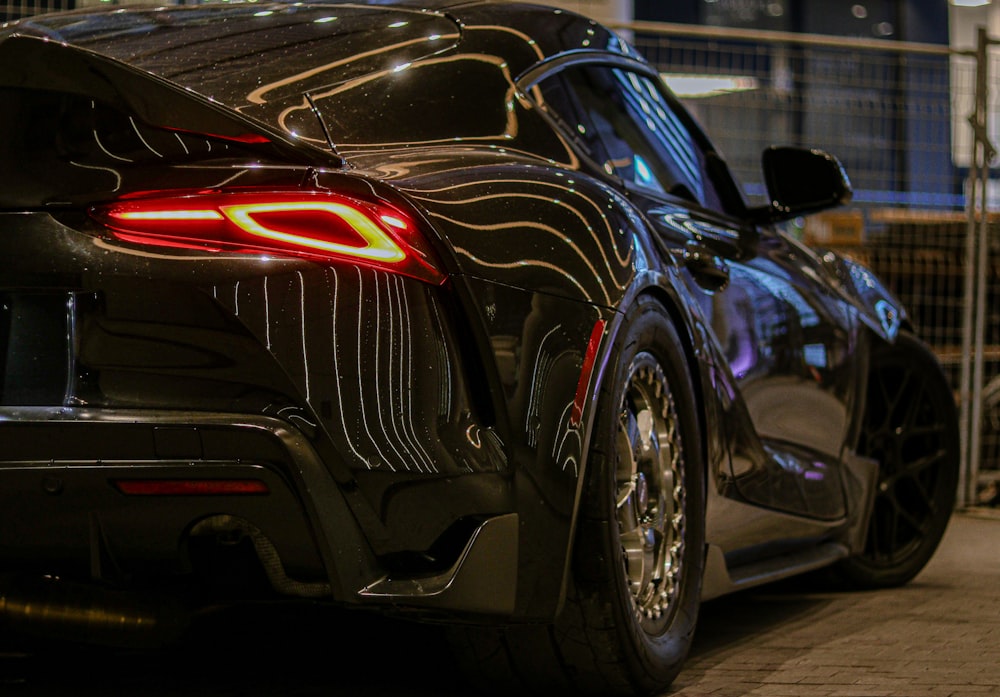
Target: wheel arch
{"points": [[683, 323], [686, 325]]}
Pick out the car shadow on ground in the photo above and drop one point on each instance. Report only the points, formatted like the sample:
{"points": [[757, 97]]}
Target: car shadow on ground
{"points": [[295, 651], [305, 650], [732, 619]]}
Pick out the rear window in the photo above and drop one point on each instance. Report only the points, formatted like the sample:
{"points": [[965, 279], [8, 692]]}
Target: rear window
{"points": [[462, 98]]}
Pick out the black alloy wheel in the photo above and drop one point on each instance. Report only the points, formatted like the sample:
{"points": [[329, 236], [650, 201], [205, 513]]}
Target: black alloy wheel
{"points": [[910, 427]]}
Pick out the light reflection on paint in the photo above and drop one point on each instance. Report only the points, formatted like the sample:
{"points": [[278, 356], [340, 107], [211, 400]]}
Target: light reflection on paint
{"points": [[258, 95], [620, 260]]}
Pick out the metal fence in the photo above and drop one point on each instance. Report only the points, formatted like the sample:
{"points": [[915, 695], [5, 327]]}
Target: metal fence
{"points": [[909, 123], [18, 9]]}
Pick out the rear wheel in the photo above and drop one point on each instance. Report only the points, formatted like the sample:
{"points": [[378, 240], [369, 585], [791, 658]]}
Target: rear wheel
{"points": [[634, 593], [910, 426]]}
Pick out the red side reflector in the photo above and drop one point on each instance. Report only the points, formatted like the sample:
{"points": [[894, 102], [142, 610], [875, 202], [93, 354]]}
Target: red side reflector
{"points": [[315, 224], [190, 487], [596, 334]]}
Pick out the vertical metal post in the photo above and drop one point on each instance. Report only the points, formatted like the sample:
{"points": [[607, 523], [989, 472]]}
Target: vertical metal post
{"points": [[976, 261]]}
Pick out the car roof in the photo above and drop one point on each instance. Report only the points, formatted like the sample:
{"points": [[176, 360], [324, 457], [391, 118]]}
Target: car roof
{"points": [[229, 51]]}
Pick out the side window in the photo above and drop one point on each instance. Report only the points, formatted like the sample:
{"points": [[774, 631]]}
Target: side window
{"points": [[626, 125]]}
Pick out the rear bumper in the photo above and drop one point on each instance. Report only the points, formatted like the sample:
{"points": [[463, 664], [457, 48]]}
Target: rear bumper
{"points": [[66, 512], [68, 515]]}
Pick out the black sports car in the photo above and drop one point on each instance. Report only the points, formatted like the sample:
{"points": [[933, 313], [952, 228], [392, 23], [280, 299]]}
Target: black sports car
{"points": [[442, 308]]}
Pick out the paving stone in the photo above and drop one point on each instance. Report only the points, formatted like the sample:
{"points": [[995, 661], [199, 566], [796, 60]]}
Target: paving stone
{"points": [[938, 636]]}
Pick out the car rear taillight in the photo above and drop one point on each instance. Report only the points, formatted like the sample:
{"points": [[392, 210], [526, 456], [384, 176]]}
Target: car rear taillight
{"points": [[314, 224]]}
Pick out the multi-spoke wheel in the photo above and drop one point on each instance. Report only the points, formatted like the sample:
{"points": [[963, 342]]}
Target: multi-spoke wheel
{"points": [[910, 427], [650, 489], [640, 544], [635, 584]]}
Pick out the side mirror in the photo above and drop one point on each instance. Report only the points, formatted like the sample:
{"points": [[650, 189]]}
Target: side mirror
{"points": [[801, 181]]}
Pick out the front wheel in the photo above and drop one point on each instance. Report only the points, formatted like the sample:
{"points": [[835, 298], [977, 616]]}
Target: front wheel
{"points": [[910, 427], [635, 586]]}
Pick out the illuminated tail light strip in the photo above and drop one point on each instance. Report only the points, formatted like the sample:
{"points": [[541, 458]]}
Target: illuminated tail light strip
{"points": [[316, 225]]}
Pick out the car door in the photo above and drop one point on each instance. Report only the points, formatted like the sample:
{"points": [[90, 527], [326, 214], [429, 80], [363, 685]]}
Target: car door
{"points": [[782, 341]]}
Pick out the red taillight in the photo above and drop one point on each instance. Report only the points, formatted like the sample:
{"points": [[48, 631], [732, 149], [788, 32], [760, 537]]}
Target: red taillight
{"points": [[317, 225], [190, 487]]}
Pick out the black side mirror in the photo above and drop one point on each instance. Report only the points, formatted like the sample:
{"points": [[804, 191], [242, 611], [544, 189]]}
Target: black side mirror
{"points": [[801, 181]]}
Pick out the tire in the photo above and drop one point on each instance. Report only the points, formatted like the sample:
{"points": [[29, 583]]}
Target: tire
{"points": [[634, 592], [910, 426]]}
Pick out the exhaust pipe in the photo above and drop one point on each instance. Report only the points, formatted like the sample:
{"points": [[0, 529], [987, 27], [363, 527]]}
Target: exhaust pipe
{"points": [[52, 608]]}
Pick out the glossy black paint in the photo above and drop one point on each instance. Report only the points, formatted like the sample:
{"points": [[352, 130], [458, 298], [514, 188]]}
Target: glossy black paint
{"points": [[407, 422]]}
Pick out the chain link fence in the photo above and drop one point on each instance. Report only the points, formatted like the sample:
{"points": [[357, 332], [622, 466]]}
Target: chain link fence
{"points": [[898, 117], [9, 11]]}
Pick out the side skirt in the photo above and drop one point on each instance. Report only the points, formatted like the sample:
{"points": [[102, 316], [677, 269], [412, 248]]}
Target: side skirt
{"points": [[720, 580]]}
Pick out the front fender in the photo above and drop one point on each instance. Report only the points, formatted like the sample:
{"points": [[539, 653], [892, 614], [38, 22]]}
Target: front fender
{"points": [[879, 309]]}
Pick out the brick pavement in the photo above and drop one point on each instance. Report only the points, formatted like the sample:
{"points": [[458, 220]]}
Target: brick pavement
{"points": [[939, 636]]}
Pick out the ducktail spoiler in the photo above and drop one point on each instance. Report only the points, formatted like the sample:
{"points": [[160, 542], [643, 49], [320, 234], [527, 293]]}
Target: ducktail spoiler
{"points": [[33, 63]]}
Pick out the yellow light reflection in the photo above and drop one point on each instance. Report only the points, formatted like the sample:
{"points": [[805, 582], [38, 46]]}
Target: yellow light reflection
{"points": [[701, 86]]}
